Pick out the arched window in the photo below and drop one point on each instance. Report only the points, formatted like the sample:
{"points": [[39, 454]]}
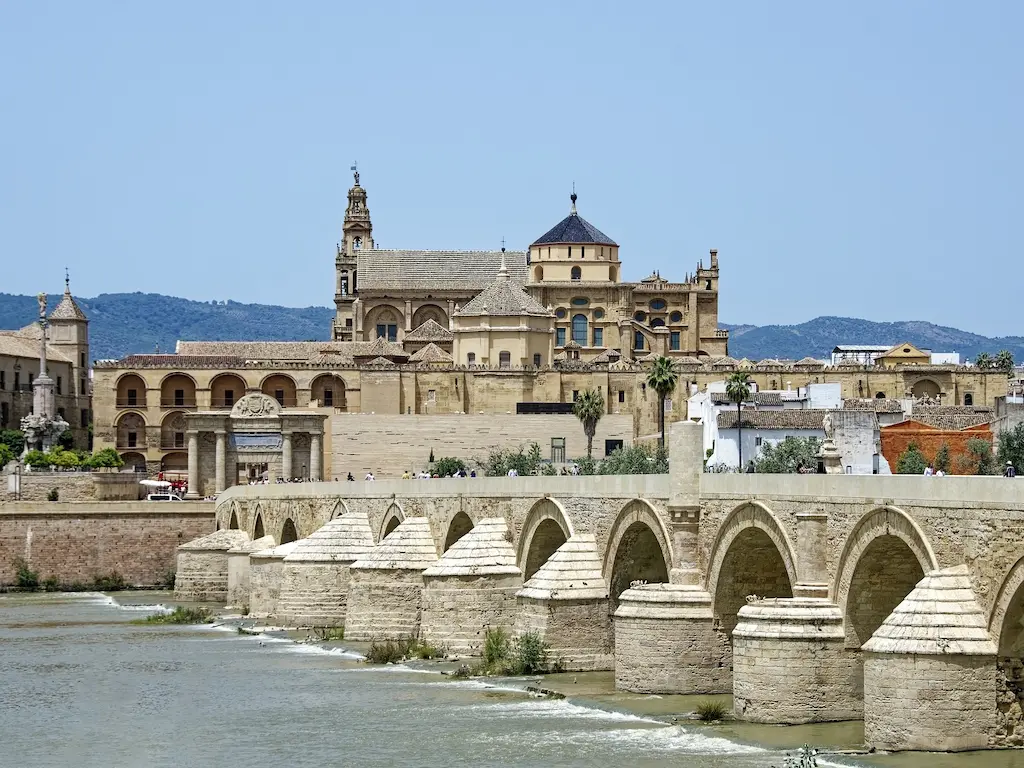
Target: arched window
{"points": [[504, 359], [880, 396], [576, 274], [657, 322], [538, 274], [969, 399], [638, 340], [579, 329], [357, 243], [471, 358]]}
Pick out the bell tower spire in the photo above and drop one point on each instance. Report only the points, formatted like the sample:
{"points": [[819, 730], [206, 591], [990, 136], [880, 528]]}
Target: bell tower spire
{"points": [[356, 236]]}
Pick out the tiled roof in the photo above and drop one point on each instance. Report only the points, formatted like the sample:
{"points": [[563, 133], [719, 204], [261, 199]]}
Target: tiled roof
{"points": [[257, 545], [331, 357], [431, 354], [504, 297], [769, 363], [572, 344], [949, 421], [608, 356], [687, 360], [276, 553], [225, 540], [574, 229], [380, 347], [463, 270], [181, 361], [876, 404], [767, 398], [484, 551], [430, 331], [725, 362], [809, 362], [267, 350], [68, 309], [940, 616], [16, 345], [573, 572], [380, 362], [811, 418], [342, 540], [409, 547]]}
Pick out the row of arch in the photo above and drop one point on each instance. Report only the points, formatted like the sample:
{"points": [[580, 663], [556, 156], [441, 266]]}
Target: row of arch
{"points": [[884, 557], [179, 390]]}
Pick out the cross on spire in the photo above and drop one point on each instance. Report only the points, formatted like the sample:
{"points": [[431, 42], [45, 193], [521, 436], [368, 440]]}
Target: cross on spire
{"points": [[67, 281], [503, 244], [572, 197]]}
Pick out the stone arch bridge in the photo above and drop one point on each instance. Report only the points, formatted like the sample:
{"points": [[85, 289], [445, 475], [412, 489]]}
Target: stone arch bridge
{"points": [[749, 576]]}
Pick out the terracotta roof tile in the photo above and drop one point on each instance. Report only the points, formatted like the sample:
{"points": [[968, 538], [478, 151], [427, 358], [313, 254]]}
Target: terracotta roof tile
{"points": [[430, 331], [463, 270], [811, 418]]}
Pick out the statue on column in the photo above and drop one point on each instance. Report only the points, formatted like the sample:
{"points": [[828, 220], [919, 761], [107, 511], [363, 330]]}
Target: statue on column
{"points": [[43, 427]]}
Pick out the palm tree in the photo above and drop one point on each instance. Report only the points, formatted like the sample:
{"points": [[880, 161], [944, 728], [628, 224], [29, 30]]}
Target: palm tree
{"points": [[589, 408], [662, 379], [737, 387], [983, 361], [1003, 361]]}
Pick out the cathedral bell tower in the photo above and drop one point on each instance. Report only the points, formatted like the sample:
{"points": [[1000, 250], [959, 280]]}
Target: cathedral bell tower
{"points": [[356, 235]]}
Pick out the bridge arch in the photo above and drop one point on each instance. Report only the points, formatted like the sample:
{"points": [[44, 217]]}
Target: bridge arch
{"points": [[639, 548], [394, 517], [233, 524], [460, 525], [289, 532], [546, 528], [884, 557], [752, 555], [340, 508], [258, 530], [1006, 625]]}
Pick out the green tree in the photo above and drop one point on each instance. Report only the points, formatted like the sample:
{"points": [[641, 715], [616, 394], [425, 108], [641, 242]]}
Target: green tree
{"points": [[983, 361], [635, 460], [1011, 448], [589, 408], [942, 459], [1003, 361], [525, 460], [37, 459], [662, 379], [447, 466], [58, 457], [6, 455], [980, 451], [737, 388], [789, 456], [14, 440], [108, 457], [911, 461]]}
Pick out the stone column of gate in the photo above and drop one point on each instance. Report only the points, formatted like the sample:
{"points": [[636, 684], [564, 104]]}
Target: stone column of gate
{"points": [[221, 475], [686, 463], [314, 455], [193, 465], [286, 455], [811, 542]]}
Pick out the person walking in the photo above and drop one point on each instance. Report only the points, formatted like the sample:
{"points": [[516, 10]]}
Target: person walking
{"points": [[369, 477], [1009, 471]]}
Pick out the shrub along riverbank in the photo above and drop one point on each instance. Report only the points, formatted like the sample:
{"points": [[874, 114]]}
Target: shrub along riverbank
{"points": [[27, 580]]}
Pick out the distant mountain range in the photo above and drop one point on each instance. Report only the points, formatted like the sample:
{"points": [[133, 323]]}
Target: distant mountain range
{"points": [[126, 323]]}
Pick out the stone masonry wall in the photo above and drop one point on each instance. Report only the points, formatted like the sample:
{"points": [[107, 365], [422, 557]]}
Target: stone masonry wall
{"points": [[264, 585], [78, 542], [313, 594], [940, 703], [456, 611], [578, 632], [682, 655], [71, 486], [383, 604]]}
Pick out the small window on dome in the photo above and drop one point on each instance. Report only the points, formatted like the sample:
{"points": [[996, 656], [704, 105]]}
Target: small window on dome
{"points": [[676, 317], [579, 301], [657, 305], [560, 313], [640, 316]]}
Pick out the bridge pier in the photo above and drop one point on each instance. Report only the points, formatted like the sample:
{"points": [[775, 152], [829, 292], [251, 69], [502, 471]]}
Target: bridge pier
{"points": [[790, 664]]}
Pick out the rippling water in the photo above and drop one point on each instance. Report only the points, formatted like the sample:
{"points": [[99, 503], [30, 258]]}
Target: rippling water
{"points": [[83, 687]]}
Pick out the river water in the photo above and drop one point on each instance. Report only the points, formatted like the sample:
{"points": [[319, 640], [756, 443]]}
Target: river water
{"points": [[82, 687]]}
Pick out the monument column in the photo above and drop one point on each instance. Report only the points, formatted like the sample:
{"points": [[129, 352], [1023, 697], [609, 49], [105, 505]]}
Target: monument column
{"points": [[314, 455], [286, 455], [221, 476], [193, 465]]}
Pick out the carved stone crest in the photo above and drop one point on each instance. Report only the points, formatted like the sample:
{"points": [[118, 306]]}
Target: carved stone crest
{"points": [[256, 405]]}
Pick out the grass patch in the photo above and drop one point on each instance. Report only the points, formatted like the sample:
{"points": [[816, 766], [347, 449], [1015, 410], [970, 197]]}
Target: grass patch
{"points": [[710, 711], [524, 654], [180, 615], [25, 577], [402, 649], [328, 634]]}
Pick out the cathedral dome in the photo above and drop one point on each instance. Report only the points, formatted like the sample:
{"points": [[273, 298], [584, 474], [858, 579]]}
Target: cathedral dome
{"points": [[574, 229]]}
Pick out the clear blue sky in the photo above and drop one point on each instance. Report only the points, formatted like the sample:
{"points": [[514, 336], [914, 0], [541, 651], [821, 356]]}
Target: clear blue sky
{"points": [[860, 159]]}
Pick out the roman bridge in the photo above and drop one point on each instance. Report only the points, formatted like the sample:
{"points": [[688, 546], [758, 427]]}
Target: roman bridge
{"points": [[765, 585]]}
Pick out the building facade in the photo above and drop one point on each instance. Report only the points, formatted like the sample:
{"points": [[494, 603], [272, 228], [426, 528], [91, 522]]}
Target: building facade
{"points": [[67, 363], [478, 334]]}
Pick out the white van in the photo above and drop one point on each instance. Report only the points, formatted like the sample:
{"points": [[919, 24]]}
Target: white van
{"points": [[162, 497]]}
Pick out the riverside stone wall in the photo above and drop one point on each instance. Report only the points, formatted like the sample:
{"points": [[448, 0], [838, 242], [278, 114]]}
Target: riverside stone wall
{"points": [[457, 610], [81, 541], [383, 604]]}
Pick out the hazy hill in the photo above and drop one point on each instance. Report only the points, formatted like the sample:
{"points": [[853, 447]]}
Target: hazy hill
{"points": [[123, 323]]}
